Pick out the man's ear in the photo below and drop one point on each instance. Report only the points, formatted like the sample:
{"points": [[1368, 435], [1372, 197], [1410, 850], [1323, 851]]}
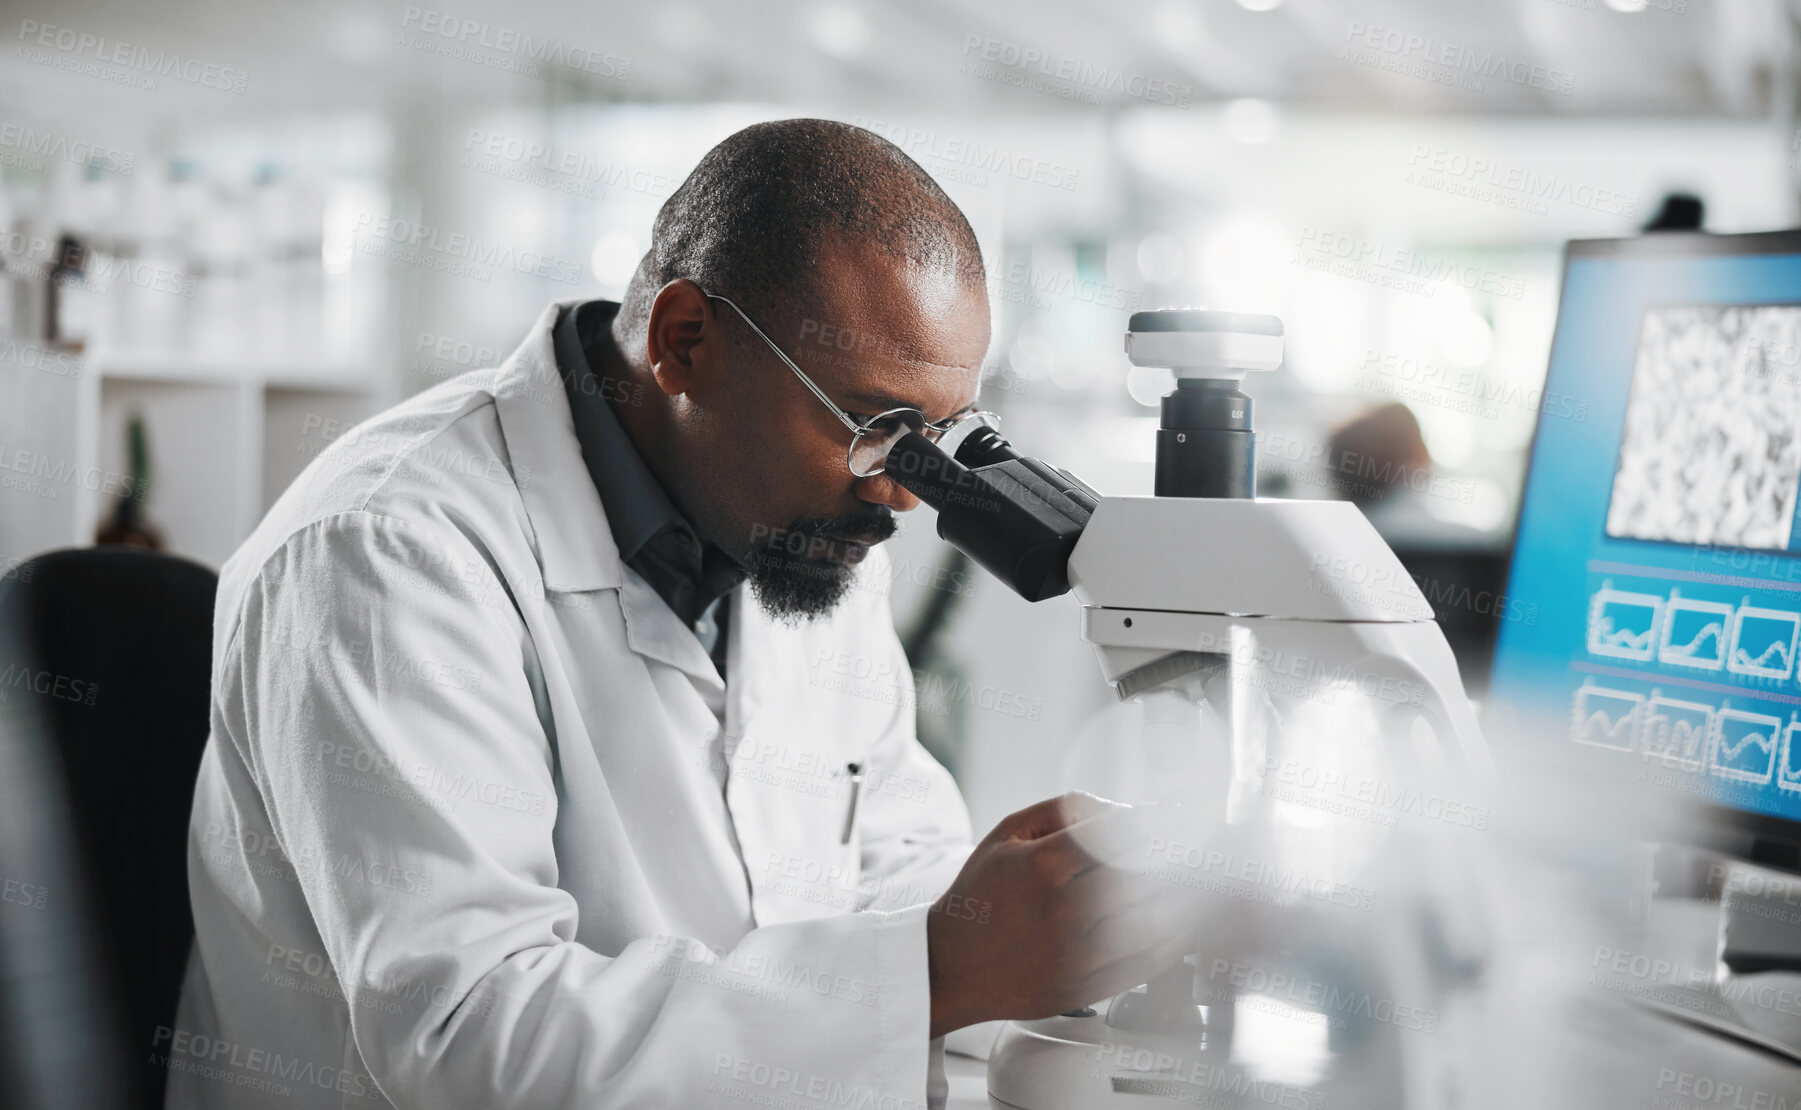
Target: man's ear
{"points": [[681, 341]]}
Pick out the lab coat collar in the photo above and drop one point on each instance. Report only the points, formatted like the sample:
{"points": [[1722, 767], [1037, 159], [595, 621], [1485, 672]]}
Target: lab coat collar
{"points": [[576, 549]]}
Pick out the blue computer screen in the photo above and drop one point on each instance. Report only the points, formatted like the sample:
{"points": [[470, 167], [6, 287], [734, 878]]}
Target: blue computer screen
{"points": [[1658, 530]]}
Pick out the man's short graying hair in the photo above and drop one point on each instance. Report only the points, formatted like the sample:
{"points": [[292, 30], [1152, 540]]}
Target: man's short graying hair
{"points": [[750, 221]]}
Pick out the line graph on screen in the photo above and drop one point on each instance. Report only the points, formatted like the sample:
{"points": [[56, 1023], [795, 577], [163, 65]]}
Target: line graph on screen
{"points": [[1744, 745], [1694, 633], [1623, 625], [1603, 717], [1763, 642]]}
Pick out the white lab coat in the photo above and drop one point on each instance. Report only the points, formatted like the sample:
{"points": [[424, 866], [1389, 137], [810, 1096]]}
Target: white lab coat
{"points": [[468, 831]]}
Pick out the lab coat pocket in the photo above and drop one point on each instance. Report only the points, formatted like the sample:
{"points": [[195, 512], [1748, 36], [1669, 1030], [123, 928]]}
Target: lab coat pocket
{"points": [[790, 796]]}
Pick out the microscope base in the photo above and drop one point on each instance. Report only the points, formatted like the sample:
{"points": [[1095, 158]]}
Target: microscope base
{"points": [[1067, 1063]]}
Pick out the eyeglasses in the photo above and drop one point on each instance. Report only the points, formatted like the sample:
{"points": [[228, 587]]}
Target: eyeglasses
{"points": [[874, 437]]}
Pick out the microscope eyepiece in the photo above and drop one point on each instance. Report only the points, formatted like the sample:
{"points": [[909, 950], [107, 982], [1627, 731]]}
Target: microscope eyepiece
{"points": [[984, 447], [1015, 516]]}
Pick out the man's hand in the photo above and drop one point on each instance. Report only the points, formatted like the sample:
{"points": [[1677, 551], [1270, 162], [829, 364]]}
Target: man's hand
{"points": [[1062, 928]]}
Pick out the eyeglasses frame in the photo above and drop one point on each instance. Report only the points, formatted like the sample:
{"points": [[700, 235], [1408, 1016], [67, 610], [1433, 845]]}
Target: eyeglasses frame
{"points": [[858, 430]]}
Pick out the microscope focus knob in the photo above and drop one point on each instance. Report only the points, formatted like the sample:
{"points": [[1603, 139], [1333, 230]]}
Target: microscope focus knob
{"points": [[1196, 343]]}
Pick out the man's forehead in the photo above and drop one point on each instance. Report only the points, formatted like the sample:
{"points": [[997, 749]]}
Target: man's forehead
{"points": [[929, 304], [874, 368], [894, 334]]}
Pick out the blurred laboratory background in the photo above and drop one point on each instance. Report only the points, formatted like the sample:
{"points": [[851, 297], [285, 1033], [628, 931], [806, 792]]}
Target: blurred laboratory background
{"points": [[234, 231]]}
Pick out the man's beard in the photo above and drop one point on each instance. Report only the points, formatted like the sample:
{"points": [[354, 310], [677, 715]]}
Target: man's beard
{"points": [[802, 570]]}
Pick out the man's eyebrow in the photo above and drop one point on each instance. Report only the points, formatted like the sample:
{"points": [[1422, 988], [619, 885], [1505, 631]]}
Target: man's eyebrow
{"points": [[879, 402], [873, 403]]}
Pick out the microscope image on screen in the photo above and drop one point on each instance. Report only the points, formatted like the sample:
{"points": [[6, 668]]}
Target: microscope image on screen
{"points": [[1712, 445]]}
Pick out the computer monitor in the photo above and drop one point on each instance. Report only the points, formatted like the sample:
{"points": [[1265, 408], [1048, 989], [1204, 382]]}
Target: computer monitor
{"points": [[1660, 533]]}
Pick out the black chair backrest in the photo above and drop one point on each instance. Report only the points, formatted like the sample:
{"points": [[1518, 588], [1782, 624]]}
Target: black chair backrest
{"points": [[114, 649]]}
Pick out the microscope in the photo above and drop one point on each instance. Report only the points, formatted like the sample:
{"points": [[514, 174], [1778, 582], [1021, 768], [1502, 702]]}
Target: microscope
{"points": [[1303, 712]]}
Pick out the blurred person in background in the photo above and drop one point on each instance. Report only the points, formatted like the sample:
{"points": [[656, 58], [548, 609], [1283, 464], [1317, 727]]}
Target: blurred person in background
{"points": [[1378, 461], [1678, 212]]}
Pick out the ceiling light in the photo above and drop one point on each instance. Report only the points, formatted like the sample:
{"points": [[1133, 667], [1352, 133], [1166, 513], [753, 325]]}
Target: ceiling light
{"points": [[1251, 122], [1178, 25], [840, 31]]}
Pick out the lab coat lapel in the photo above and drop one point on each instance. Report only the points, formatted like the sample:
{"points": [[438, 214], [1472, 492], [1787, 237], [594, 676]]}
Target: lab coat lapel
{"points": [[747, 661], [576, 551], [573, 543], [654, 631]]}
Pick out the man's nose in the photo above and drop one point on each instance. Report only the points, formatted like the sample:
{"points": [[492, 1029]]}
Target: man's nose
{"points": [[879, 489]]}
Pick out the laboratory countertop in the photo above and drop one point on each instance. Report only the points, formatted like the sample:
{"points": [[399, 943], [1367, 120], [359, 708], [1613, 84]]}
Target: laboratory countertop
{"points": [[1670, 1065], [1550, 1040], [968, 1080], [1552, 1022]]}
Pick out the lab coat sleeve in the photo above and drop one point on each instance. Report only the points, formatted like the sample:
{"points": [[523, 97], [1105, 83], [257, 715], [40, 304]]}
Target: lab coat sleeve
{"points": [[377, 660]]}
